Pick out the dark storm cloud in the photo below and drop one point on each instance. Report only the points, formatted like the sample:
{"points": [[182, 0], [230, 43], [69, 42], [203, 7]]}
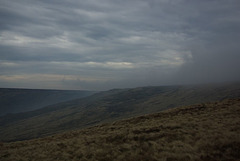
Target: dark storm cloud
{"points": [[106, 44]]}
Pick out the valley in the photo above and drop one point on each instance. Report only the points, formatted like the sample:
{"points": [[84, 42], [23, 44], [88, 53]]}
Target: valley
{"points": [[13, 100], [108, 106]]}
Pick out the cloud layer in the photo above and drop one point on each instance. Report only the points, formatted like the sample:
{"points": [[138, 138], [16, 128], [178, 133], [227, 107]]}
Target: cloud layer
{"points": [[105, 44]]}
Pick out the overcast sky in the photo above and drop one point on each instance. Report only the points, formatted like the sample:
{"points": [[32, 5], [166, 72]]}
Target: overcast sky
{"points": [[104, 44]]}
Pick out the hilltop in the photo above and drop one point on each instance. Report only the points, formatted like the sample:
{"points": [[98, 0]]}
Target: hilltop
{"points": [[108, 106], [206, 131]]}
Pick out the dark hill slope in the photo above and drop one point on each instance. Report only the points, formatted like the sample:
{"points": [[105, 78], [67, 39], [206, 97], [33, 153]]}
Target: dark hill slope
{"points": [[204, 132], [106, 107], [22, 100]]}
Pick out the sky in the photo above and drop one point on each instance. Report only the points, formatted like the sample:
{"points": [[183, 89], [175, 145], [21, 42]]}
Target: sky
{"points": [[105, 44]]}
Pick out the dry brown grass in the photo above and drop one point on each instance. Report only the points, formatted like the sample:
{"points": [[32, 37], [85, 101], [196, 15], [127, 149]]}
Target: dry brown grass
{"points": [[200, 132]]}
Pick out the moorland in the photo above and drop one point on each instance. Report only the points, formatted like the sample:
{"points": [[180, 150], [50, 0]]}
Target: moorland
{"points": [[201, 132]]}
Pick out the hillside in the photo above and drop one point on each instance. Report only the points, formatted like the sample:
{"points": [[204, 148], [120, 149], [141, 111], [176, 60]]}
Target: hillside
{"points": [[106, 107], [22, 100], [203, 132]]}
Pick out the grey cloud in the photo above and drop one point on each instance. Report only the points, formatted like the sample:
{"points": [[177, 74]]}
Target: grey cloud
{"points": [[164, 41]]}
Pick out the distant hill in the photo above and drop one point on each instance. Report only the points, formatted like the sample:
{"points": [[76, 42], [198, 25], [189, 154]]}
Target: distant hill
{"points": [[108, 106], [22, 100], [203, 132]]}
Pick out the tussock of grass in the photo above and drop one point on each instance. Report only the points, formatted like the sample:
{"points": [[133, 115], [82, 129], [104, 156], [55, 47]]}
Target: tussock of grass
{"points": [[199, 132]]}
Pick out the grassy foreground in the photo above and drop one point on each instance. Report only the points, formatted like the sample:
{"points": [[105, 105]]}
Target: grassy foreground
{"points": [[200, 132]]}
